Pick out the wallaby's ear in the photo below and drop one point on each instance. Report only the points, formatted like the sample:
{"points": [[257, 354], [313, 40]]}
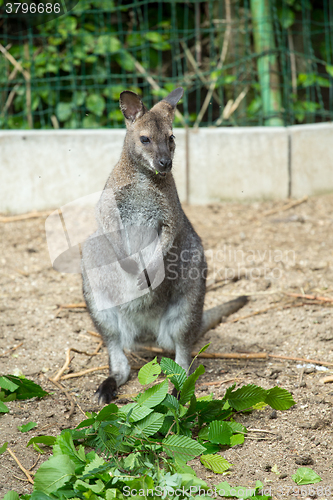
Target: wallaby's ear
{"points": [[174, 96], [131, 105]]}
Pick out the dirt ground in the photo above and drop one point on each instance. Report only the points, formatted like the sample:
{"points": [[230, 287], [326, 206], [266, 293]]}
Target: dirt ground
{"points": [[270, 253]]}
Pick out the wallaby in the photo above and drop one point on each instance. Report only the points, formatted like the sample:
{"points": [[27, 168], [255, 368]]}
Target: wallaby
{"points": [[140, 201]]}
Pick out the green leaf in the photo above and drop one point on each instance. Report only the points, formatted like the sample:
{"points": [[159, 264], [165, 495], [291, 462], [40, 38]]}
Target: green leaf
{"points": [[54, 473], [107, 413], [132, 460], [171, 402], [66, 445], [182, 447], [216, 463], [220, 432], [237, 439], [107, 44], [3, 448], [304, 475], [154, 396], [203, 349], [323, 82], [64, 110], [3, 408], [7, 384], [137, 412], [189, 385], [26, 388], [96, 104], [98, 487], [125, 60], [329, 69], [176, 374], [47, 440], [246, 396], [150, 425], [149, 372], [11, 495], [279, 399], [79, 98], [27, 427]]}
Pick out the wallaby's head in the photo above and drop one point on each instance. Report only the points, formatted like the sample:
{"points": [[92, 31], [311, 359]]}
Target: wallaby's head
{"points": [[149, 139]]}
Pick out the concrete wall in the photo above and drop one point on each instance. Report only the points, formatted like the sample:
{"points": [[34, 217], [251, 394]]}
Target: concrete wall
{"points": [[45, 169]]}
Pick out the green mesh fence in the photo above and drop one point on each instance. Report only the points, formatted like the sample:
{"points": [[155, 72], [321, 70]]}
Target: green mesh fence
{"points": [[241, 62]]}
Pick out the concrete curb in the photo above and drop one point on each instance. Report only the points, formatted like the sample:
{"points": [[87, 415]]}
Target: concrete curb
{"points": [[44, 169]]}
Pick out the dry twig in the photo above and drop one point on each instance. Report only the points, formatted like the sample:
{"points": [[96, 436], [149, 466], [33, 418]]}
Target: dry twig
{"points": [[309, 297], [68, 359], [23, 469], [327, 380], [85, 372], [218, 66], [12, 349], [69, 397], [30, 215], [288, 205]]}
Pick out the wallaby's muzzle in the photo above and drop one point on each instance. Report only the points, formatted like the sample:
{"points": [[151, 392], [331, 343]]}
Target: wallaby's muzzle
{"points": [[164, 165]]}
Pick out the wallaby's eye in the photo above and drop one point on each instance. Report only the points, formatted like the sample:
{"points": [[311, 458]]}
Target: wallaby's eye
{"points": [[144, 139], [171, 138]]}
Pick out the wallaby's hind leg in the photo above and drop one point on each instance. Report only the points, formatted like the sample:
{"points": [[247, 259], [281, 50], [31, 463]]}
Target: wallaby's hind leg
{"points": [[119, 370]]}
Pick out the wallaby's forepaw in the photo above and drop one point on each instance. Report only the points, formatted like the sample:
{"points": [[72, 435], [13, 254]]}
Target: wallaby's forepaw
{"points": [[107, 391]]}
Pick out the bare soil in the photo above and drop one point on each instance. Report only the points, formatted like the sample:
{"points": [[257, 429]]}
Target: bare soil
{"points": [[287, 251]]}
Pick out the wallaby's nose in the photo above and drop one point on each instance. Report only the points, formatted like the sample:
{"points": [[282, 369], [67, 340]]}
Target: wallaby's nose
{"points": [[165, 163]]}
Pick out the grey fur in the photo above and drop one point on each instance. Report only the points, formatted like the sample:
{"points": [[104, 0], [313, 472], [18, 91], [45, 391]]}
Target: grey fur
{"points": [[170, 314]]}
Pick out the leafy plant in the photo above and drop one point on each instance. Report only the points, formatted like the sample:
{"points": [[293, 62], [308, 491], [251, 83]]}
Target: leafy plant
{"points": [[304, 475], [13, 387], [146, 444]]}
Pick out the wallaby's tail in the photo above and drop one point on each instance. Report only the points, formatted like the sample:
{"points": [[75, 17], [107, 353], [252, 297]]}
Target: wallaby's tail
{"points": [[213, 317]]}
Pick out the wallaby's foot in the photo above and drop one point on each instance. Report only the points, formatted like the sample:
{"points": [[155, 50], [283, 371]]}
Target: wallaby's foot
{"points": [[107, 391]]}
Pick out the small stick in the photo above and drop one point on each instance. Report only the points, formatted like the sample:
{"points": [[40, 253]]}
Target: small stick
{"points": [[65, 366], [73, 306], [94, 334], [310, 297], [219, 65], [291, 204], [326, 380], [155, 86], [23, 469], [69, 397], [84, 372], [34, 465], [305, 360], [300, 377], [12, 349], [68, 359], [261, 430], [219, 382], [30, 215], [253, 355]]}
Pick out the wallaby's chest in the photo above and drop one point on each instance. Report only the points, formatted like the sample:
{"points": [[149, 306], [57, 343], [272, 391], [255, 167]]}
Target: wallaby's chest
{"points": [[143, 206]]}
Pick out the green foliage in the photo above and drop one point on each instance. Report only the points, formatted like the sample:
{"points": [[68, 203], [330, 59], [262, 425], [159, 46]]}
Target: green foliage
{"points": [[147, 444], [27, 427], [13, 387], [304, 475], [149, 372]]}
